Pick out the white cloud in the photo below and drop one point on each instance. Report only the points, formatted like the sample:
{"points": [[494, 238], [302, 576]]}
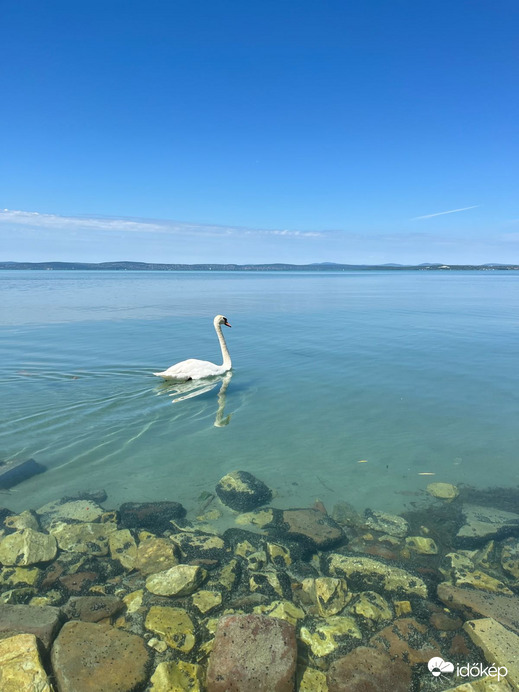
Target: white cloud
{"points": [[35, 220], [441, 213]]}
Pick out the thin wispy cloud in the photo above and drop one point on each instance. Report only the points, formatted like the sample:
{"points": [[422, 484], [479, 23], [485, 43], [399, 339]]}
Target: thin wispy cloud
{"points": [[36, 220], [441, 213]]}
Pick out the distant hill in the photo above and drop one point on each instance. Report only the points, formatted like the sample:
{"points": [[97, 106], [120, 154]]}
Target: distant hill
{"points": [[280, 267]]}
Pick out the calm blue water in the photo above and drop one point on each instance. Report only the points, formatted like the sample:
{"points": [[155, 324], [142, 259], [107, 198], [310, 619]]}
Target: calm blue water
{"points": [[409, 372]]}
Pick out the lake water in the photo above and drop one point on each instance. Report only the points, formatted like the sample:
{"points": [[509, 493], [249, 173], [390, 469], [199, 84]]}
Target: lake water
{"points": [[345, 386]]}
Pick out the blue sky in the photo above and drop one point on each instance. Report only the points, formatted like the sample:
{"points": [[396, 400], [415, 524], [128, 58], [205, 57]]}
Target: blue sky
{"points": [[226, 131]]}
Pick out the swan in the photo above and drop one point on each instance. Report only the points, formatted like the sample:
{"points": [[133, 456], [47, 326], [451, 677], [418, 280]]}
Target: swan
{"points": [[194, 369]]}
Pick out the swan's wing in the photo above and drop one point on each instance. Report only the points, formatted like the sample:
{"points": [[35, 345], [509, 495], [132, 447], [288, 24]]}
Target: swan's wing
{"points": [[191, 369]]}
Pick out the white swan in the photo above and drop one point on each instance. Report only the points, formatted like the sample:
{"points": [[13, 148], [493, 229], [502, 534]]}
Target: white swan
{"points": [[194, 369]]}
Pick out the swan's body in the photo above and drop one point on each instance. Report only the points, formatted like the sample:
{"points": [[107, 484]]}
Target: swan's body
{"points": [[194, 369]]}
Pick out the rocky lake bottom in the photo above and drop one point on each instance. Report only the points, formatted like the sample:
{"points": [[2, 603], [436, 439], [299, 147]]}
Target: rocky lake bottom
{"points": [[235, 595]]}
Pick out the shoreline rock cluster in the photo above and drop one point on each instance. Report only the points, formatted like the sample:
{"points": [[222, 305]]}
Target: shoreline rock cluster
{"points": [[143, 598]]}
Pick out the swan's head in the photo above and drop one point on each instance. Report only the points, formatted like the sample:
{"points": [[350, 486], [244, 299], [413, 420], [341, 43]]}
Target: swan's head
{"points": [[220, 319]]}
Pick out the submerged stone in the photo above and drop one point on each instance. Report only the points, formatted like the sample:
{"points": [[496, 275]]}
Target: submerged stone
{"points": [[382, 522], [123, 548], [484, 523], [25, 520], [20, 665], [77, 510], [242, 491], [443, 491], [422, 545], [44, 622], [15, 471], [366, 574], [174, 625], [229, 575], [90, 656], [180, 580], [510, 557], [310, 527], [197, 546], [407, 640], [20, 576], [471, 602], [368, 670], [176, 676], [371, 607], [327, 595], [155, 516], [252, 652], [27, 547], [155, 555], [323, 636], [284, 610], [91, 539], [312, 680], [499, 646], [206, 601], [92, 608]]}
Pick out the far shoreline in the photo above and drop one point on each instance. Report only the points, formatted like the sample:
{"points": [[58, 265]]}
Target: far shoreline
{"points": [[327, 267]]}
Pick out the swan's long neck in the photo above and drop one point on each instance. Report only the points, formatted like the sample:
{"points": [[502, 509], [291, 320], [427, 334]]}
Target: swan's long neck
{"points": [[225, 352]]}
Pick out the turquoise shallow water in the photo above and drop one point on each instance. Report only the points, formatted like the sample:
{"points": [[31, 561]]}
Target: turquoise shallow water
{"points": [[408, 372]]}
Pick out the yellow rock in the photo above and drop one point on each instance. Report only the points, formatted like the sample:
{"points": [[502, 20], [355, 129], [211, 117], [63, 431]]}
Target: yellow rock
{"points": [[443, 491], [279, 555], [500, 646], [155, 555], [144, 535], [329, 594], [206, 601], [179, 580], [174, 625], [482, 581], [27, 547], [123, 548], [244, 548], [229, 574], [371, 606], [424, 546], [322, 636], [192, 541], [402, 608], [375, 573], [256, 561], [260, 518], [176, 676], [284, 610], [510, 557], [14, 576], [210, 515], [25, 520], [257, 582], [88, 538], [16, 596], [20, 665], [313, 680], [133, 600]]}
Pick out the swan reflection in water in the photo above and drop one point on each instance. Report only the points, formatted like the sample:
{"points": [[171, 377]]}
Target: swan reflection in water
{"points": [[180, 391]]}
